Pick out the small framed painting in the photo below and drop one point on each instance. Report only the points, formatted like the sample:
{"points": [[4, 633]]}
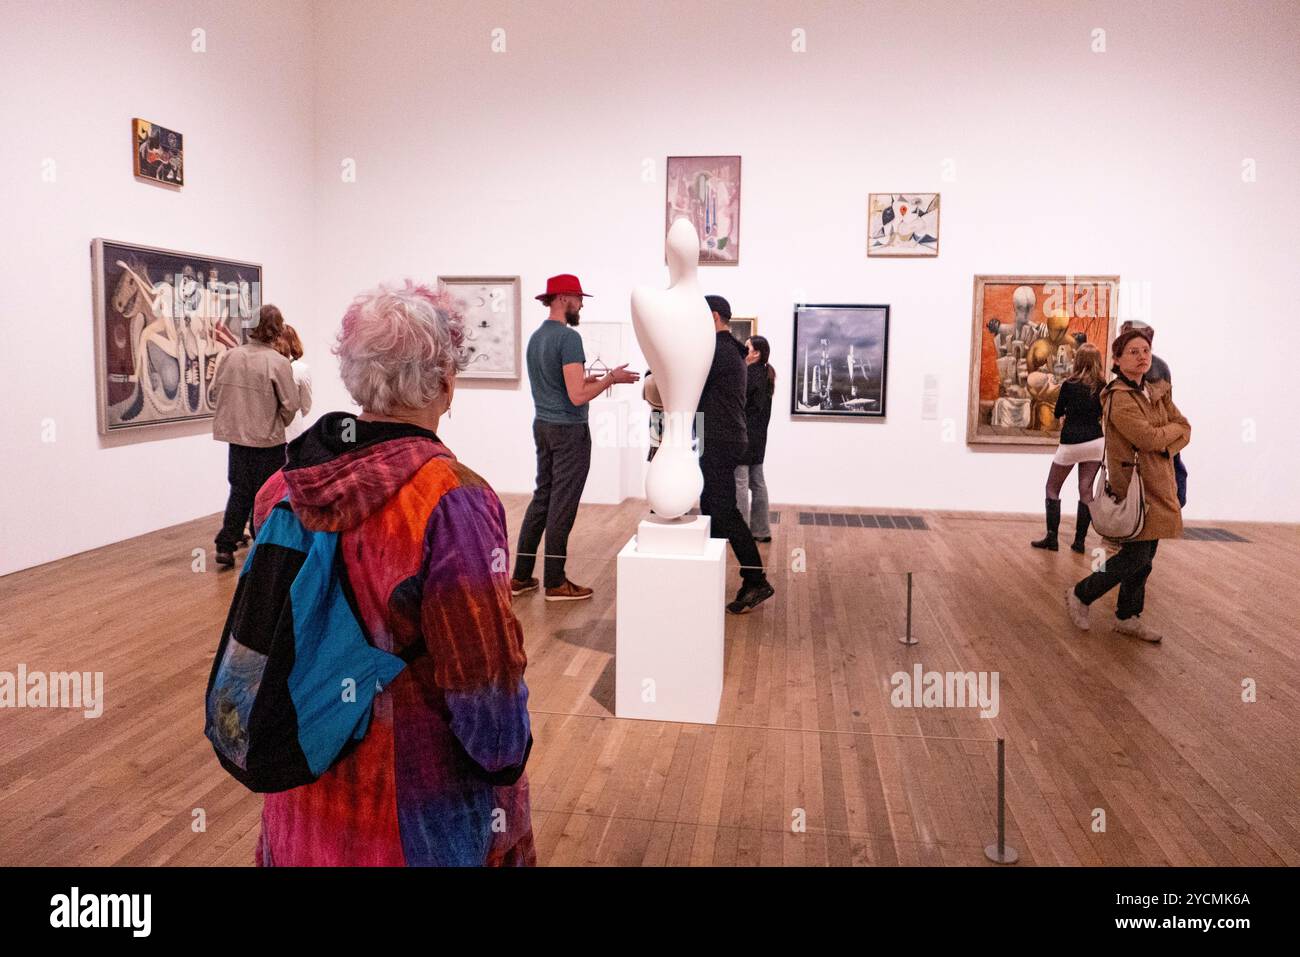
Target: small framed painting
{"points": [[491, 308], [742, 327], [706, 191], [841, 356], [903, 225], [159, 153]]}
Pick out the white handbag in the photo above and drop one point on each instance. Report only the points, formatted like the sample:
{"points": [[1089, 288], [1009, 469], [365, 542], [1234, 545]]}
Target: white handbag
{"points": [[1115, 518]]}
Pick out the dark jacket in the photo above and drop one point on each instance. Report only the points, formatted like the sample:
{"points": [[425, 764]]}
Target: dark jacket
{"points": [[1081, 409], [722, 403], [758, 412], [1147, 430]]}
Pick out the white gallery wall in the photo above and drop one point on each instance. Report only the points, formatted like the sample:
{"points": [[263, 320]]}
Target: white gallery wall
{"points": [[494, 138], [74, 74]]}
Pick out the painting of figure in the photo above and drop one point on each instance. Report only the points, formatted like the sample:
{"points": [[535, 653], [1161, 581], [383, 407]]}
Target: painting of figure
{"points": [[1025, 333], [903, 224], [159, 153], [163, 322], [841, 357], [490, 305], [706, 191]]}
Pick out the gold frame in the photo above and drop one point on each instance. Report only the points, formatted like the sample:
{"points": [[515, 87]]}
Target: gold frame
{"points": [[977, 327]]}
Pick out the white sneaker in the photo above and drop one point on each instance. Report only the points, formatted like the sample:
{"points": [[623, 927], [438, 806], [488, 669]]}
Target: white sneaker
{"points": [[1076, 609], [1134, 627]]}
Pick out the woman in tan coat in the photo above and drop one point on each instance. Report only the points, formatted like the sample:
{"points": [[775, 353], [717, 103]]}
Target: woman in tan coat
{"points": [[1143, 426]]}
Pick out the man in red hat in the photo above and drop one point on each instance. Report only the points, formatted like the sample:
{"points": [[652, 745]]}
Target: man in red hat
{"points": [[561, 391]]}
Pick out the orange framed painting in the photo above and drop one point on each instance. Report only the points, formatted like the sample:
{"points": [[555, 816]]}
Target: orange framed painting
{"points": [[1024, 334]]}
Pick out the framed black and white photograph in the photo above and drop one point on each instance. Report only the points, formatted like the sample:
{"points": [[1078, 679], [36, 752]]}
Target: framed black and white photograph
{"points": [[742, 327], [841, 355]]}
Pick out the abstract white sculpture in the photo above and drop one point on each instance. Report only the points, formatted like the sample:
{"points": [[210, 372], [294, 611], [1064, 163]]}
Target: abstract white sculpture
{"points": [[676, 334]]}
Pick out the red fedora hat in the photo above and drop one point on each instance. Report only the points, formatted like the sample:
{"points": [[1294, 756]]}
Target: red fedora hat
{"points": [[563, 285]]}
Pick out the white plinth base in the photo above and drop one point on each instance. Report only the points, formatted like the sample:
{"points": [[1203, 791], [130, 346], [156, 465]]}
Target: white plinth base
{"points": [[683, 536], [670, 624]]}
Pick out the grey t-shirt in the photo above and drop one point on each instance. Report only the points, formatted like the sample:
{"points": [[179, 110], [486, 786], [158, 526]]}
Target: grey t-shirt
{"points": [[553, 346]]}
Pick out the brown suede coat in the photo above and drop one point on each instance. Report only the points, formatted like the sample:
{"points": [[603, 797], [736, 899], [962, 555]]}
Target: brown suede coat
{"points": [[1147, 430]]}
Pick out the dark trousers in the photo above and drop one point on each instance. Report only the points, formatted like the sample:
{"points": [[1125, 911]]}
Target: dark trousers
{"points": [[1128, 568], [247, 470], [718, 501], [563, 459]]}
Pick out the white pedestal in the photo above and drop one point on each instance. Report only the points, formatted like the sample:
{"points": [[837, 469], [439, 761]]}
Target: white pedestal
{"points": [[613, 473], [670, 624]]}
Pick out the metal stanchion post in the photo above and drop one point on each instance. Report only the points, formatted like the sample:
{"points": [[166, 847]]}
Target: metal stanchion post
{"points": [[999, 853], [908, 638]]}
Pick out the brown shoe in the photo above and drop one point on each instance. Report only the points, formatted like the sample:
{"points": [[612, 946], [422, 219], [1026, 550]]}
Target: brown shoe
{"points": [[519, 586], [568, 592]]}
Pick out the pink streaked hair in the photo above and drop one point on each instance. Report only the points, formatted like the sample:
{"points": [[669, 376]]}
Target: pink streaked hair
{"points": [[399, 346]]}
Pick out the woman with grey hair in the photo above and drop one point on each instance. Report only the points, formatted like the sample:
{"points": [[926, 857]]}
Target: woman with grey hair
{"points": [[439, 776]]}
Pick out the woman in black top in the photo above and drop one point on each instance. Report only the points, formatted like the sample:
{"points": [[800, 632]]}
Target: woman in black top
{"points": [[760, 384], [1079, 403]]}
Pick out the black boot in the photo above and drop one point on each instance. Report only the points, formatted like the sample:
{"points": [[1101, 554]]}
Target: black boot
{"points": [[1081, 523], [1053, 523]]}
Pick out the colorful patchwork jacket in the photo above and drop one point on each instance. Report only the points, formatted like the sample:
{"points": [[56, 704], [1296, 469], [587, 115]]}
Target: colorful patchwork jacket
{"points": [[438, 779]]}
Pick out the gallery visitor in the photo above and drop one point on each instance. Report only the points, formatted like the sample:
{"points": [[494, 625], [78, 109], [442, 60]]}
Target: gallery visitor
{"points": [[289, 345], [1079, 405], [723, 444], [561, 390], [760, 384], [1159, 372], [438, 778], [1143, 428], [256, 397]]}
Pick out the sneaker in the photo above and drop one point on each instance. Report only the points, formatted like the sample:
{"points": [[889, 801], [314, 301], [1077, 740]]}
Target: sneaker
{"points": [[225, 558], [1076, 609], [1134, 628], [520, 585], [751, 596], [568, 592]]}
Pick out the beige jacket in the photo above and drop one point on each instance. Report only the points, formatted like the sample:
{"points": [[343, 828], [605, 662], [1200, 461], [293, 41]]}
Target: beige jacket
{"points": [[1147, 430], [256, 397]]}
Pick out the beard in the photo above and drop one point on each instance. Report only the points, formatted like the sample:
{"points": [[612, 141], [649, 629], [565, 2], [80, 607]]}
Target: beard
{"points": [[571, 317]]}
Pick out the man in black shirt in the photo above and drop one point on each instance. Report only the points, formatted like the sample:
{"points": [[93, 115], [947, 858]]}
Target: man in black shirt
{"points": [[721, 415]]}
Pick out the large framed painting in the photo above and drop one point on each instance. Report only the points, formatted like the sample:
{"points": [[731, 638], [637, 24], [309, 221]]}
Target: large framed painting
{"points": [[164, 320], [491, 307], [1024, 333], [742, 327], [706, 191], [841, 356], [902, 225], [159, 153]]}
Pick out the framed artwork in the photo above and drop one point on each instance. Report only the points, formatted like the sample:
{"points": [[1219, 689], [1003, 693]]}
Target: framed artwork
{"points": [[164, 320], [491, 307], [1024, 333], [706, 191], [903, 225], [603, 345], [159, 153], [742, 327], [841, 356]]}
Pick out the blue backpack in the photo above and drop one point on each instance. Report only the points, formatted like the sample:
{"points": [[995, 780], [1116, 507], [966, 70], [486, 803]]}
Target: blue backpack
{"points": [[295, 676]]}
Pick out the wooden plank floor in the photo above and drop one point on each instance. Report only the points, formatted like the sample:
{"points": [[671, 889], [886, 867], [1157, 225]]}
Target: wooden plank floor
{"points": [[1156, 737]]}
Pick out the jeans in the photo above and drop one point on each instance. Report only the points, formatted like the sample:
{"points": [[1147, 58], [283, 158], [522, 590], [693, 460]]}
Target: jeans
{"points": [[1129, 569], [749, 479], [718, 501], [247, 470], [563, 460]]}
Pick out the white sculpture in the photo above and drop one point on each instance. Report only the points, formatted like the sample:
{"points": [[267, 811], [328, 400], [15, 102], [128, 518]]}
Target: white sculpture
{"points": [[675, 331]]}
